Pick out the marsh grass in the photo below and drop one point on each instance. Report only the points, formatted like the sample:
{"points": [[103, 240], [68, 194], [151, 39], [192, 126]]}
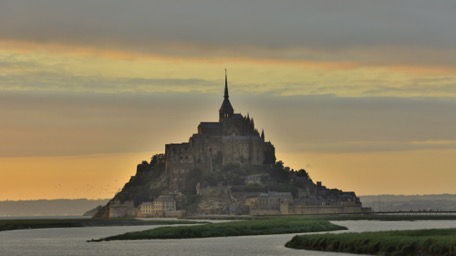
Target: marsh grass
{"points": [[71, 223], [263, 226], [404, 243], [395, 217]]}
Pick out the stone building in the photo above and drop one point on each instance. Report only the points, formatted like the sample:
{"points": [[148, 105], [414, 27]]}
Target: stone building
{"points": [[272, 200], [146, 209], [163, 206], [272, 203], [231, 140], [225, 168], [282, 203]]}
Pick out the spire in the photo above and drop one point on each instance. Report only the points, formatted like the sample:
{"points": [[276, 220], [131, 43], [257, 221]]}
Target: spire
{"points": [[226, 96], [262, 134], [226, 110]]}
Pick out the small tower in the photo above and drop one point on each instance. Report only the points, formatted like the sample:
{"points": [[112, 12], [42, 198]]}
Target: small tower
{"points": [[226, 110]]}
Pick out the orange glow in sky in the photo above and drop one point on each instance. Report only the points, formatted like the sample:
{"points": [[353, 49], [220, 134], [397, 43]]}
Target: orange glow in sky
{"points": [[362, 108]]}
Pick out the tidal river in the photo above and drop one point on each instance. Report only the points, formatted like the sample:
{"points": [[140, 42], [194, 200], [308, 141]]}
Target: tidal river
{"points": [[72, 241]]}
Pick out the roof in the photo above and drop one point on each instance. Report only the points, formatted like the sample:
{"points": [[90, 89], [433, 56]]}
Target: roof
{"points": [[226, 106], [212, 128], [210, 125]]}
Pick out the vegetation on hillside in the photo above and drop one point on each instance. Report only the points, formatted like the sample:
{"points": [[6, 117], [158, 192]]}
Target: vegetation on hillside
{"points": [[147, 184], [150, 181], [141, 187]]}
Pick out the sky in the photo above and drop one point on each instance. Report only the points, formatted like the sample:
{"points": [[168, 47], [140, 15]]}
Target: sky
{"points": [[359, 93]]}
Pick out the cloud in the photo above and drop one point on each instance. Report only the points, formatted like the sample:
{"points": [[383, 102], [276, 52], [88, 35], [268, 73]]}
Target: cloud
{"points": [[71, 74], [56, 81], [68, 123], [358, 147], [338, 124], [379, 32], [22, 74]]}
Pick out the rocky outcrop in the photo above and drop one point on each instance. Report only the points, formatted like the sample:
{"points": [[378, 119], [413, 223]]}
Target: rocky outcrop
{"points": [[146, 185]]}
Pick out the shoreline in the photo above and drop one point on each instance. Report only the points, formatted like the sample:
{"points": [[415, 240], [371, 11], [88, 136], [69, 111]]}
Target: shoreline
{"points": [[15, 224]]}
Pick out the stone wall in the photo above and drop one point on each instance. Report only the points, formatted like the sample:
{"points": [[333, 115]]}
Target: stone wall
{"points": [[308, 210], [120, 210], [215, 200]]}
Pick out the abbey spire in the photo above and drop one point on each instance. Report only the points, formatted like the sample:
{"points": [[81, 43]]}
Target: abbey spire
{"points": [[226, 110], [226, 96]]}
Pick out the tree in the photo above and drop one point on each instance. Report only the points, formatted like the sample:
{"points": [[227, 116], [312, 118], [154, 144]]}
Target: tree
{"points": [[302, 173]]}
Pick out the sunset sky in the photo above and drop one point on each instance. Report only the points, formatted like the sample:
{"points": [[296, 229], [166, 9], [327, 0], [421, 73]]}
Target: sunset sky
{"points": [[362, 94]]}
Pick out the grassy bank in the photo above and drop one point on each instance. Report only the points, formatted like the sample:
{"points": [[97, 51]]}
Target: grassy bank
{"points": [[417, 242], [71, 223], [387, 217], [235, 228], [331, 217]]}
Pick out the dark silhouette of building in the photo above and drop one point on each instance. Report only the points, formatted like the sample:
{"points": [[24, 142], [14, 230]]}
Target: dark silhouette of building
{"points": [[232, 140]]}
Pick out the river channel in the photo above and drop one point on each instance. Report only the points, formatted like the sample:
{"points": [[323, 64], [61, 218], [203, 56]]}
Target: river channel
{"points": [[72, 241]]}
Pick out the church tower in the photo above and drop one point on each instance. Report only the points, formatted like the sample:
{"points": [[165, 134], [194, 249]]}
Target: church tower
{"points": [[226, 110]]}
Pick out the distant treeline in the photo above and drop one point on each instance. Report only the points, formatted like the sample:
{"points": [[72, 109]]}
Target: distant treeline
{"points": [[57, 207], [441, 202]]}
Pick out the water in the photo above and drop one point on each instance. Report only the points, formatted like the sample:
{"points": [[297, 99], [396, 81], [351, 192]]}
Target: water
{"points": [[43, 217], [72, 241]]}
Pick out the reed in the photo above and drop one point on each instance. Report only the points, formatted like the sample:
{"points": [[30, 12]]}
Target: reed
{"points": [[427, 242], [263, 226]]}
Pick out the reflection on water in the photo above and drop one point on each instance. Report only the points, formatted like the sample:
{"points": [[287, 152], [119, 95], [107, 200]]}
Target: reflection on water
{"points": [[72, 241]]}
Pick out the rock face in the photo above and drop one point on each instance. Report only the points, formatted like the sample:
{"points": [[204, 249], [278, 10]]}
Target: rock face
{"points": [[146, 185], [227, 167]]}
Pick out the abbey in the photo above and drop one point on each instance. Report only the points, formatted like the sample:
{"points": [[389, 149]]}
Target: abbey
{"points": [[231, 140], [227, 167]]}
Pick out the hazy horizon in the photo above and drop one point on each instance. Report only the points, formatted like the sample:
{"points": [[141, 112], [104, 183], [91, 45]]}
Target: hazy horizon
{"points": [[360, 94], [77, 207], [109, 198]]}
